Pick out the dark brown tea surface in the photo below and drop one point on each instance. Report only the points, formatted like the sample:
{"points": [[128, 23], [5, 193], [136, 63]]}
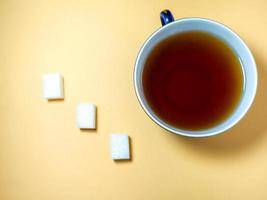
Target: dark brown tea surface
{"points": [[193, 80]]}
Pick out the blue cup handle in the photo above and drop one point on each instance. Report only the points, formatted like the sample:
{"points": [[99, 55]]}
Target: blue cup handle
{"points": [[166, 17]]}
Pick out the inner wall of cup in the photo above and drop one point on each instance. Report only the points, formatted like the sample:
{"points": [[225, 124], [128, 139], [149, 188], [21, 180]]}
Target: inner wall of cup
{"points": [[222, 32]]}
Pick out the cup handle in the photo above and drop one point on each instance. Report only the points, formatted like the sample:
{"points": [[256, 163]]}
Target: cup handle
{"points": [[166, 17]]}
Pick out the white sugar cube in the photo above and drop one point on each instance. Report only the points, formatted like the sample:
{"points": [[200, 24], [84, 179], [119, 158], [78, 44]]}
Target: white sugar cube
{"points": [[86, 116], [53, 86], [119, 144]]}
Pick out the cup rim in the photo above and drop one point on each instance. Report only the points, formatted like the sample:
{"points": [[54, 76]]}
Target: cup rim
{"points": [[184, 132]]}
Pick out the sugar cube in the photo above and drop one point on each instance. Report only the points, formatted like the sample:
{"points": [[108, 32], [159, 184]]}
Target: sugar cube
{"points": [[53, 86], [86, 116], [120, 149]]}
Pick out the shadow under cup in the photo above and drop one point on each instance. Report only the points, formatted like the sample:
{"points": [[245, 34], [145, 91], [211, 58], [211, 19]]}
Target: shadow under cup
{"points": [[231, 39]]}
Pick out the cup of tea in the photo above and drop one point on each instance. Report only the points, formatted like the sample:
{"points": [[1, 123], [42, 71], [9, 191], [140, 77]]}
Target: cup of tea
{"points": [[195, 77]]}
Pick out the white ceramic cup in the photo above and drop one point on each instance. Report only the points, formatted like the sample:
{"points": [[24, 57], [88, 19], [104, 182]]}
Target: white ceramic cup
{"points": [[171, 27]]}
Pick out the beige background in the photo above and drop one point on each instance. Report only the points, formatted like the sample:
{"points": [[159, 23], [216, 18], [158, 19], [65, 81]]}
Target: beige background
{"points": [[94, 44]]}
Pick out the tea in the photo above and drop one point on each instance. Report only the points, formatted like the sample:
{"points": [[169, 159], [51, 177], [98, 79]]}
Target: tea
{"points": [[192, 80]]}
